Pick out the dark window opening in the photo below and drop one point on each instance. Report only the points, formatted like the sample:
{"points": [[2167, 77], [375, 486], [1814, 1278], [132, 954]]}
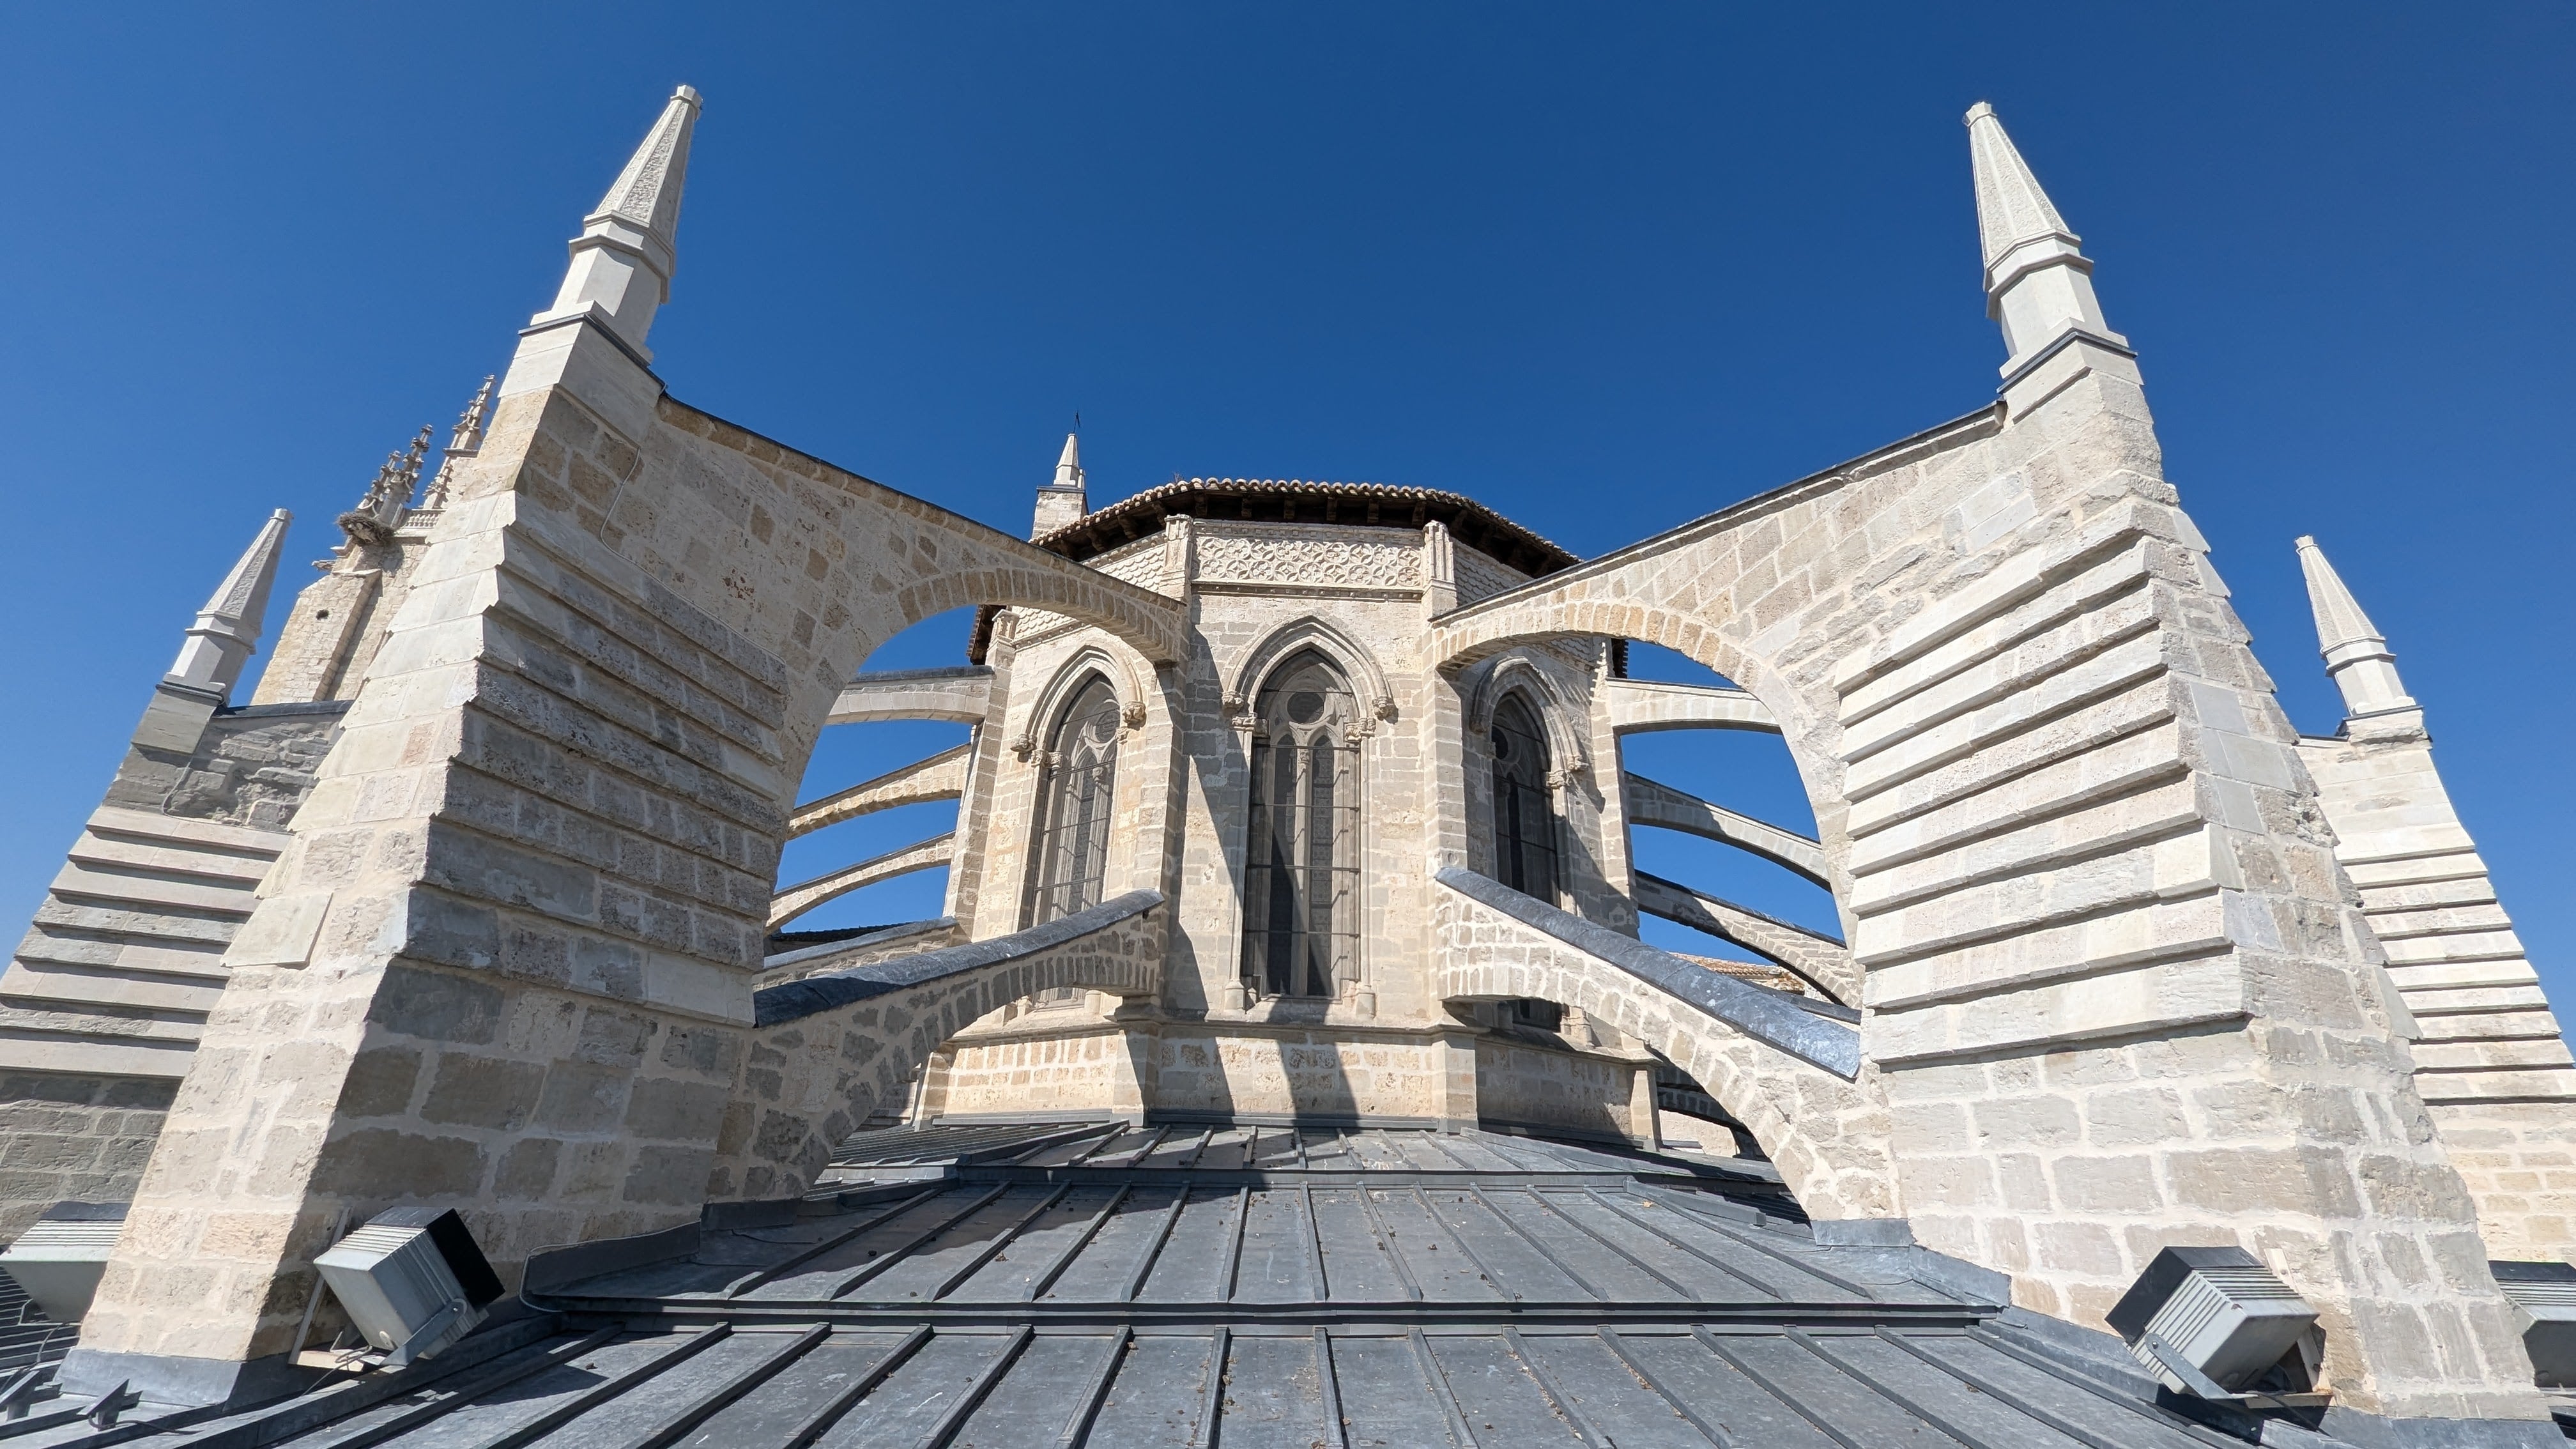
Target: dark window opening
{"points": [[1525, 829], [1301, 861]]}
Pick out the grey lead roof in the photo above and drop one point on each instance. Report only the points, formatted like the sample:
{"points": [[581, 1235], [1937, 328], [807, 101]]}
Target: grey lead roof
{"points": [[1065, 1284]]}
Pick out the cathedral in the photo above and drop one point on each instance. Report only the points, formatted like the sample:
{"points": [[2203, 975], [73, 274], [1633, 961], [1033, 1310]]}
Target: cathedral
{"points": [[1285, 1065]]}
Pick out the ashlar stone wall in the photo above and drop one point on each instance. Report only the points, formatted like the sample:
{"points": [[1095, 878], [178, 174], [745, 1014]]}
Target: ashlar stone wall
{"points": [[2490, 1060], [1387, 1049], [1539, 1087], [542, 849], [104, 1000], [2073, 845]]}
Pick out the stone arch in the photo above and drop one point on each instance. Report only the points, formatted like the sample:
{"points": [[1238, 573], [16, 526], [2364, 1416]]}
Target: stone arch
{"points": [[627, 631], [1605, 607], [1558, 608], [829, 1048], [1828, 1136], [1140, 617], [2056, 794], [1091, 661], [1356, 661], [1571, 750]]}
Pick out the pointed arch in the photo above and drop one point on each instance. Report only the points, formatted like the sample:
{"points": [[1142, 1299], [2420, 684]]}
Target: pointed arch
{"points": [[1077, 790], [1091, 661], [1358, 665], [1519, 674]]}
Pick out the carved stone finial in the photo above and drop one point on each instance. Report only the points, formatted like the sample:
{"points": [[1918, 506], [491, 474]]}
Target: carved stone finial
{"points": [[463, 443], [372, 521], [412, 458], [227, 630], [2038, 283], [627, 251]]}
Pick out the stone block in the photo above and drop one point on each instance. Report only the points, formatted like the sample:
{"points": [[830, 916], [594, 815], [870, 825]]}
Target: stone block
{"points": [[380, 1082], [437, 1006], [579, 1098], [378, 1164], [468, 1090]]}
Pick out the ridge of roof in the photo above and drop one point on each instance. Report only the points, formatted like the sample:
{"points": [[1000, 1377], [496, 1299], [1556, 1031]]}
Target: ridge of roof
{"points": [[1280, 500], [1537, 555]]}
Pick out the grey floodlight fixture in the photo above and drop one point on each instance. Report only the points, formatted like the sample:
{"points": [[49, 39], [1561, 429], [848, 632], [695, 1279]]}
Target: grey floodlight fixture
{"points": [[412, 1280], [60, 1259], [2210, 1321], [2543, 1296]]}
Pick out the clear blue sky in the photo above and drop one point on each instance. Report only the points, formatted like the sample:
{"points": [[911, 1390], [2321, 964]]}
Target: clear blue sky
{"points": [[1604, 267]]}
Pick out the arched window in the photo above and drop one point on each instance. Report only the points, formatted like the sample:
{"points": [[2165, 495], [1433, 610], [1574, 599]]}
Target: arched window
{"points": [[1301, 862], [1074, 804], [1524, 806]]}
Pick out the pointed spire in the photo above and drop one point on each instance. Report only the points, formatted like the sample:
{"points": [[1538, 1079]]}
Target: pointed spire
{"points": [[2038, 282], [647, 192], [463, 443], [2011, 209], [1068, 466], [1063, 500], [2356, 656], [623, 260], [227, 630]]}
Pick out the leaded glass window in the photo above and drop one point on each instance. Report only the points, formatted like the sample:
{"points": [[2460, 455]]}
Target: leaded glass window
{"points": [[1301, 864], [1075, 802], [1525, 834]]}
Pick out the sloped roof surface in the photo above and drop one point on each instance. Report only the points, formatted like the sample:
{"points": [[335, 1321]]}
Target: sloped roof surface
{"points": [[1297, 501], [1067, 1284]]}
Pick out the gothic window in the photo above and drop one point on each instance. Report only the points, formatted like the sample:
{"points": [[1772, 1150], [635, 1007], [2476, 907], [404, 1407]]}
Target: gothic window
{"points": [[1074, 802], [1301, 862], [1525, 832]]}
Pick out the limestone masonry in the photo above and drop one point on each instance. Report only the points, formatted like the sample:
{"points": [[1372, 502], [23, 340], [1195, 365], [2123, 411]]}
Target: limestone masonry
{"points": [[1287, 804]]}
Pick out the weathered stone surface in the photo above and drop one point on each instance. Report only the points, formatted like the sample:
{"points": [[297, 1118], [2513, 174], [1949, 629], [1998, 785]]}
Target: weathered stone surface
{"points": [[2115, 991]]}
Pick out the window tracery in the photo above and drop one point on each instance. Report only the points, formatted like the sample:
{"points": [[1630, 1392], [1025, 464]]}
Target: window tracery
{"points": [[1301, 875], [1076, 794]]}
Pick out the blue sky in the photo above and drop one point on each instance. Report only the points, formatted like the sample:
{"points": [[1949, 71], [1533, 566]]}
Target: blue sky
{"points": [[1605, 268]]}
